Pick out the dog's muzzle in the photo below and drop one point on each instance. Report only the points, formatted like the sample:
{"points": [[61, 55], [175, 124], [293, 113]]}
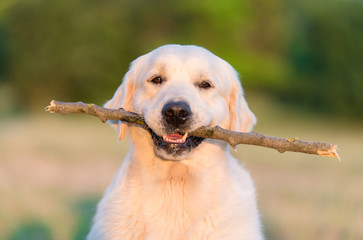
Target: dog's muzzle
{"points": [[176, 117]]}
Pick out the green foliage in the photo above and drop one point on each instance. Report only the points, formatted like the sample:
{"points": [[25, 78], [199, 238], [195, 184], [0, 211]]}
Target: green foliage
{"points": [[79, 50], [86, 210], [326, 58], [32, 231], [36, 230]]}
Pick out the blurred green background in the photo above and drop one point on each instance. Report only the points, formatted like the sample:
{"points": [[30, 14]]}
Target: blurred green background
{"points": [[301, 63]]}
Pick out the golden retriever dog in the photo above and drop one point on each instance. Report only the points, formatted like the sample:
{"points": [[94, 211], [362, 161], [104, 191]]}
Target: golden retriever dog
{"points": [[171, 185]]}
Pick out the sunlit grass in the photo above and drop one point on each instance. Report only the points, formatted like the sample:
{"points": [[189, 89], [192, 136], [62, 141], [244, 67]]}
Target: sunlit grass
{"points": [[306, 196], [48, 164], [54, 168]]}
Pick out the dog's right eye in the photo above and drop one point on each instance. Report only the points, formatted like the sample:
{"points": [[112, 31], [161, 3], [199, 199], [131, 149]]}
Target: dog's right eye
{"points": [[157, 80]]}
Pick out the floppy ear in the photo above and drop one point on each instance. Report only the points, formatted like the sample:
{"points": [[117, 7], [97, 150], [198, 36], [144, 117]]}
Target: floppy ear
{"points": [[241, 117], [122, 99]]}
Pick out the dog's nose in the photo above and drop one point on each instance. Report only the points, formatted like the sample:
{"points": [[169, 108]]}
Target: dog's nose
{"points": [[176, 113]]}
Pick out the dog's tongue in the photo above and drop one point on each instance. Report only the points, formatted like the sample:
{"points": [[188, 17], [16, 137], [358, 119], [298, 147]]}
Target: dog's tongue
{"points": [[175, 138]]}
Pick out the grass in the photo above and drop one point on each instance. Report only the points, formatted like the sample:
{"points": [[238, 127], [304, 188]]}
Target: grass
{"points": [[53, 170]]}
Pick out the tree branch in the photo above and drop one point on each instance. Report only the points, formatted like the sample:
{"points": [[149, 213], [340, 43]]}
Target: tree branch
{"points": [[233, 138]]}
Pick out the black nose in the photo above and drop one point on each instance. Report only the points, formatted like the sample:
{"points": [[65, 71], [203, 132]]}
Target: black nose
{"points": [[176, 113]]}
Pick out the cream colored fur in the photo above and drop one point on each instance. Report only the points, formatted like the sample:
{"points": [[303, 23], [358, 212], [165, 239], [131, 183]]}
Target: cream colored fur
{"points": [[203, 194]]}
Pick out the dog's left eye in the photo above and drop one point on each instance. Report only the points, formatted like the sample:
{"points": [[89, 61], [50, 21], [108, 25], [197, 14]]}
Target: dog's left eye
{"points": [[204, 85]]}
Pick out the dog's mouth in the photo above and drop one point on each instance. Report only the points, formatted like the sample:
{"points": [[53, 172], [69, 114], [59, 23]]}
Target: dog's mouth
{"points": [[175, 143]]}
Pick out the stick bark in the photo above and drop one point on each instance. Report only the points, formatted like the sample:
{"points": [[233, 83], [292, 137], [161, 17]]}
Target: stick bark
{"points": [[233, 138]]}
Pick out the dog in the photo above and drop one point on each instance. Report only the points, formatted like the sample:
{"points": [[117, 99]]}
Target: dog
{"points": [[173, 186]]}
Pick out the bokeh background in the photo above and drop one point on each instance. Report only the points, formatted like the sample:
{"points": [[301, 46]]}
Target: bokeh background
{"points": [[301, 63]]}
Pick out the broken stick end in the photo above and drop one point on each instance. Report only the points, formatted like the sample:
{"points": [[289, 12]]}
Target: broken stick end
{"points": [[332, 152], [51, 107]]}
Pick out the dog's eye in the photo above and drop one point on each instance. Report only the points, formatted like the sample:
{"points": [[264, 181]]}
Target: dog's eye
{"points": [[157, 80], [204, 85]]}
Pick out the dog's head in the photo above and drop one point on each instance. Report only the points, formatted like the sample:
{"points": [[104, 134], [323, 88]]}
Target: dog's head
{"points": [[178, 89]]}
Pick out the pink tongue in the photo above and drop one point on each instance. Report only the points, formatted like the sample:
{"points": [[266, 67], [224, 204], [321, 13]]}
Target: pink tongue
{"points": [[174, 138]]}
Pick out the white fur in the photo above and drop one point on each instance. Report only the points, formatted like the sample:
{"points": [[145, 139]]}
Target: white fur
{"points": [[203, 194]]}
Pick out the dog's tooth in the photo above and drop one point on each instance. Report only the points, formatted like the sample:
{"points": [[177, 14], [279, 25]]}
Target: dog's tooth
{"points": [[185, 136]]}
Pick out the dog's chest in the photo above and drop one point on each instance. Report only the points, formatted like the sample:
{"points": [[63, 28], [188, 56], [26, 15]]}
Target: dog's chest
{"points": [[170, 214], [180, 204], [175, 207]]}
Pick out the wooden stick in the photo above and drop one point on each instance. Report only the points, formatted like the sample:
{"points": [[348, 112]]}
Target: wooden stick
{"points": [[233, 138]]}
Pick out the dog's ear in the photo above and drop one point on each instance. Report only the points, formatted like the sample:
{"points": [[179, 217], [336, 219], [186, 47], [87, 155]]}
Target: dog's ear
{"points": [[122, 99], [241, 117]]}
